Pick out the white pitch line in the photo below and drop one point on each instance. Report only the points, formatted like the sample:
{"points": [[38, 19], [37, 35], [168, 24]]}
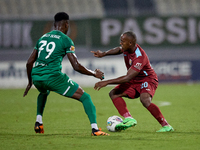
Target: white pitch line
{"points": [[161, 103]]}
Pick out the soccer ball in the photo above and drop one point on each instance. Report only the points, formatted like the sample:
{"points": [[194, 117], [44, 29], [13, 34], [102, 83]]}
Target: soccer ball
{"points": [[112, 122]]}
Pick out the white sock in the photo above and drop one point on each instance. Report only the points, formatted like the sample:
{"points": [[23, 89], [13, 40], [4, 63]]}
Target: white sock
{"points": [[39, 119], [94, 125], [129, 117]]}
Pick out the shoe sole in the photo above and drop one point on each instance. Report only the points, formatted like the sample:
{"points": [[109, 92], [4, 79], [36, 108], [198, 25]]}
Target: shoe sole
{"points": [[171, 130], [39, 129], [100, 133]]}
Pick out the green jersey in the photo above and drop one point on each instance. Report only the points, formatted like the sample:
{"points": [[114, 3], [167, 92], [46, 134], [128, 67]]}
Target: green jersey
{"points": [[51, 47]]}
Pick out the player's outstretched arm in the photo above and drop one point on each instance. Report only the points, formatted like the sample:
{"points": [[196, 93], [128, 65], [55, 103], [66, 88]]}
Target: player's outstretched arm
{"points": [[83, 70], [29, 66], [114, 51]]}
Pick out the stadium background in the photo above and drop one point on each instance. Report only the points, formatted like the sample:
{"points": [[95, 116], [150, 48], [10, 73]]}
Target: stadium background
{"points": [[169, 31]]}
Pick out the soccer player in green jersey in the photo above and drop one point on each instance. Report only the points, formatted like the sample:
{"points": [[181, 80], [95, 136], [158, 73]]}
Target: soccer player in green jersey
{"points": [[46, 73]]}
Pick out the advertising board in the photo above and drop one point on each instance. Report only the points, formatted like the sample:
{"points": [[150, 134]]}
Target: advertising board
{"points": [[13, 74]]}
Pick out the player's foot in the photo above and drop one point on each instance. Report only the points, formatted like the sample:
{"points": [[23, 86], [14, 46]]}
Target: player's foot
{"points": [[38, 127], [127, 123], [99, 133], [167, 128]]}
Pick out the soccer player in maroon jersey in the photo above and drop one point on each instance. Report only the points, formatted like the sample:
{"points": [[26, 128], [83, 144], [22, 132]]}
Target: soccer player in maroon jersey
{"points": [[140, 81]]}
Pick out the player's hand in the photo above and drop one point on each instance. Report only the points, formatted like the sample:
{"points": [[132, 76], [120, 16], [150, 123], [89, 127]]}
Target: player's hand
{"points": [[98, 53], [27, 89], [99, 85], [99, 74]]}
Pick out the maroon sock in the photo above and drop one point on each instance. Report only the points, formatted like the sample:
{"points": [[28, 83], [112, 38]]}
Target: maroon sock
{"points": [[155, 111], [121, 107]]}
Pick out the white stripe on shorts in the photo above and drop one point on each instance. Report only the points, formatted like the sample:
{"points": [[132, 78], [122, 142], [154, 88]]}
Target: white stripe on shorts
{"points": [[66, 90]]}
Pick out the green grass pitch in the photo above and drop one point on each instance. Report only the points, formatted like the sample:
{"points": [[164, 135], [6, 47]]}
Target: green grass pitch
{"points": [[66, 125]]}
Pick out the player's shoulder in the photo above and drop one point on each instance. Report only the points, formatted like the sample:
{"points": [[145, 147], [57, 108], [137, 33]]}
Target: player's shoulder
{"points": [[65, 37], [138, 47], [139, 51]]}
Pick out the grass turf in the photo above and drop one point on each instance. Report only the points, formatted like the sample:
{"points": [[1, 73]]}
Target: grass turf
{"points": [[66, 125]]}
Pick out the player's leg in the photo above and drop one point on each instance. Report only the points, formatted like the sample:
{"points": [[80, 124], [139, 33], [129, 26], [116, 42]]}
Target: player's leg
{"points": [[116, 95], [146, 98], [41, 102], [88, 105], [90, 110], [69, 88]]}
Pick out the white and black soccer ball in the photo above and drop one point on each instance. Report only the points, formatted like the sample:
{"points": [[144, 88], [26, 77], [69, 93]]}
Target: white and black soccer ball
{"points": [[112, 122]]}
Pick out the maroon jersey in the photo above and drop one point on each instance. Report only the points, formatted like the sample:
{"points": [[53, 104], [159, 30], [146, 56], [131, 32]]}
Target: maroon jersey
{"points": [[139, 62]]}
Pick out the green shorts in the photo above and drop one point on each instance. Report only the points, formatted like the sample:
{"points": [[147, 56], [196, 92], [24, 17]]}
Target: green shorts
{"points": [[60, 84]]}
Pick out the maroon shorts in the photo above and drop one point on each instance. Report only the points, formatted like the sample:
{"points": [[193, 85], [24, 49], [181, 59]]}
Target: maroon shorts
{"points": [[134, 89]]}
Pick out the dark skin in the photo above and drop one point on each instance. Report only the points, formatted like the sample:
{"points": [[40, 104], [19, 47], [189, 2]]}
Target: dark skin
{"points": [[63, 27], [127, 44]]}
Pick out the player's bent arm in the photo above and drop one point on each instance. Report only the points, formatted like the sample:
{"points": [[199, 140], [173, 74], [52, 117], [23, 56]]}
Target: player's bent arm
{"points": [[123, 79], [29, 64], [81, 69]]}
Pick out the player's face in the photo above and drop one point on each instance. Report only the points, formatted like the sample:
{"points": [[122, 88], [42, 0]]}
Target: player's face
{"points": [[125, 42]]}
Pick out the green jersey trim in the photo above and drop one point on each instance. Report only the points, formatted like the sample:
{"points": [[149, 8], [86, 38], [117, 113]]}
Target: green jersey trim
{"points": [[70, 52]]}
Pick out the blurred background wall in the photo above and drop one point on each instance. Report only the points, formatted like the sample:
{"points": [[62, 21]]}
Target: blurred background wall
{"points": [[169, 31]]}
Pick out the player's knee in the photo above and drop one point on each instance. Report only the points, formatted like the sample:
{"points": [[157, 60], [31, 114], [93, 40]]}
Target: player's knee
{"points": [[145, 100], [111, 94], [45, 93], [85, 96]]}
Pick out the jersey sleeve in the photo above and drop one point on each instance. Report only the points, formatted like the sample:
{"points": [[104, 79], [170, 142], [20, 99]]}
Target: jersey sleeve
{"points": [[69, 45], [138, 63]]}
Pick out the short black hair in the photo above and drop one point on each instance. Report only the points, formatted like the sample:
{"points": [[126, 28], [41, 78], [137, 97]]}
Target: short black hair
{"points": [[61, 16], [131, 34]]}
